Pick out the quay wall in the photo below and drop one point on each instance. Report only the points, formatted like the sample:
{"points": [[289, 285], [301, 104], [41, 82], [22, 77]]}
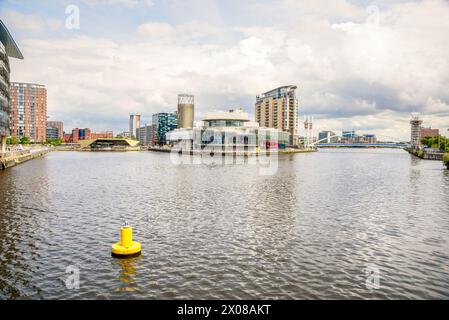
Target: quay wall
{"points": [[15, 158]]}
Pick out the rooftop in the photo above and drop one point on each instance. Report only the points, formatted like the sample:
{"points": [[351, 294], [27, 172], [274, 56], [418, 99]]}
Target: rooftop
{"points": [[278, 92], [11, 48], [17, 84], [232, 115]]}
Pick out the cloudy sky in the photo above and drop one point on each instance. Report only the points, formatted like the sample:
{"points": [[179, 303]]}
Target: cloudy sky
{"points": [[357, 64]]}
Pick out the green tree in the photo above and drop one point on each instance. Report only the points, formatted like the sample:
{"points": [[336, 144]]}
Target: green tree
{"points": [[12, 140], [25, 140], [54, 142], [440, 142]]}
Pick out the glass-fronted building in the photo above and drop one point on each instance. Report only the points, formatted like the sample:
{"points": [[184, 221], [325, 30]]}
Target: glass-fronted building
{"points": [[162, 123], [8, 48], [229, 132], [4, 92]]}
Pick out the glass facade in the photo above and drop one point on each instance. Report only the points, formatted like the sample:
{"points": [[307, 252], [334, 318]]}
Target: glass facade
{"points": [[223, 123], [163, 123], [4, 92], [52, 133]]}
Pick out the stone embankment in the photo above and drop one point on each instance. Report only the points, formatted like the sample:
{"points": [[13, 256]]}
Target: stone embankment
{"points": [[13, 158]]}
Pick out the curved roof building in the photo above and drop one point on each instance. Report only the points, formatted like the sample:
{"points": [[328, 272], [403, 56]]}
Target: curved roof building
{"points": [[8, 48], [11, 48]]}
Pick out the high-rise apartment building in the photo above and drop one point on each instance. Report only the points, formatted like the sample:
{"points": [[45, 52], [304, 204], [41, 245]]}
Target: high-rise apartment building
{"points": [[55, 126], [278, 108], [8, 48], [134, 124], [29, 111], [163, 123]]}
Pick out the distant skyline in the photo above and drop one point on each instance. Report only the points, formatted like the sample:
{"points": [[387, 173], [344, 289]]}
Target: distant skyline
{"points": [[358, 64]]}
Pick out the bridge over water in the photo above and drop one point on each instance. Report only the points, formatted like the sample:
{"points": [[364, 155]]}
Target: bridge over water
{"points": [[389, 143], [362, 145]]}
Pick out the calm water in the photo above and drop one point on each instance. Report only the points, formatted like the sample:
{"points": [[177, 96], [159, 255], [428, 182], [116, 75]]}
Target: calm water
{"points": [[309, 231]]}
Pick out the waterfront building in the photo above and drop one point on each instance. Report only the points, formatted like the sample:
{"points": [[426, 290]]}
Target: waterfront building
{"points": [[8, 48], [229, 131], [134, 124], [162, 123], [304, 141], [29, 111], [52, 133], [349, 136], [102, 135], [80, 134], [186, 111], [327, 137], [67, 138], [145, 135], [278, 109], [415, 130], [429, 132], [368, 138], [109, 144], [59, 126], [123, 135], [86, 134]]}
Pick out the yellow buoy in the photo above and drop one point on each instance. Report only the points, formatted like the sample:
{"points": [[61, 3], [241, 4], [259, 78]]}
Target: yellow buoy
{"points": [[126, 247]]}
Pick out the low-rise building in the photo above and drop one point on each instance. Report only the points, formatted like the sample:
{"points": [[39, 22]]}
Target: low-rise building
{"points": [[59, 126], [52, 133], [229, 132], [327, 137], [86, 134], [429, 133], [102, 135]]}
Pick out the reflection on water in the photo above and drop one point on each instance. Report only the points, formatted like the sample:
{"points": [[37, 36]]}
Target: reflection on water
{"points": [[127, 275], [214, 231]]}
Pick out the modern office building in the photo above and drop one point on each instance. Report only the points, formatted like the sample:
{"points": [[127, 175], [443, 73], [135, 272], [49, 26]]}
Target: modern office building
{"points": [[52, 133], [8, 48], [145, 135], [59, 126], [415, 130], [29, 111], [162, 123], [327, 137], [186, 111], [229, 131], [368, 138], [278, 109], [134, 124], [349, 135]]}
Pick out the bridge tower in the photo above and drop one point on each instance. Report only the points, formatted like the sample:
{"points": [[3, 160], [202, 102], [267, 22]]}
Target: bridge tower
{"points": [[415, 124]]}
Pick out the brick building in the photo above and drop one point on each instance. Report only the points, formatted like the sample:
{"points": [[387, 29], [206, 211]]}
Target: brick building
{"points": [[29, 111]]}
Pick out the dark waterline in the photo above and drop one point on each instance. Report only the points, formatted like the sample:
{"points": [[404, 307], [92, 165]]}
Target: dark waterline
{"points": [[309, 231]]}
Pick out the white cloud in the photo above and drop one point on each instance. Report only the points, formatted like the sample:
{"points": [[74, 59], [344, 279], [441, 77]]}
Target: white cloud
{"points": [[126, 3], [32, 23], [351, 72]]}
